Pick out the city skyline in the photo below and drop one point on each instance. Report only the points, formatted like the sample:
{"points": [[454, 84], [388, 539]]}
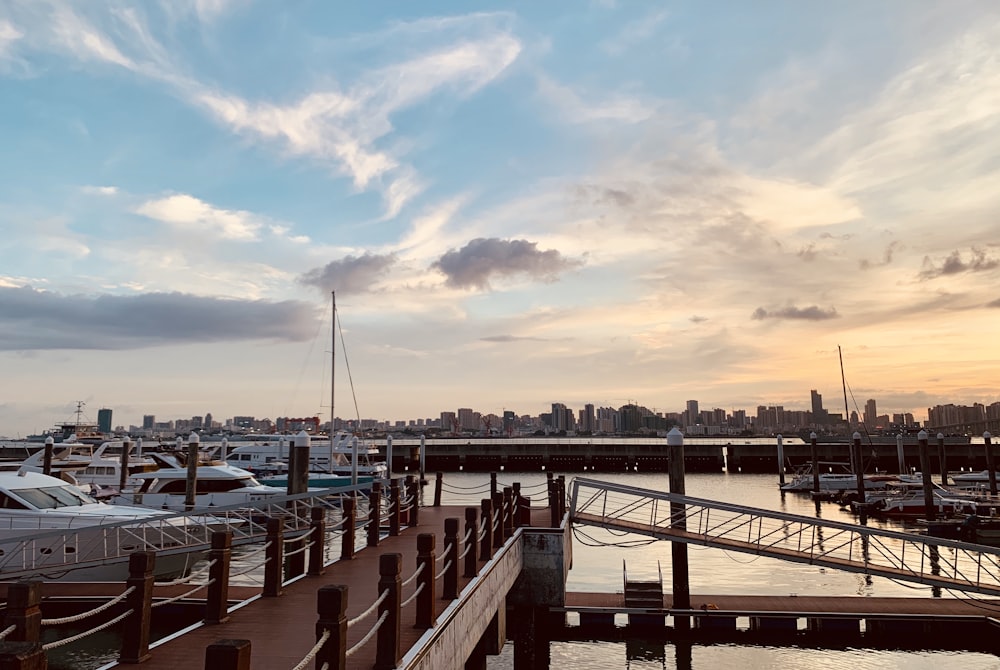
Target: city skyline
{"points": [[562, 202]]}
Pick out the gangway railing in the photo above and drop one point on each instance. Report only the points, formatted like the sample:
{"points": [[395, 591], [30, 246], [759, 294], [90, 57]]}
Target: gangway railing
{"points": [[43, 552], [910, 557]]}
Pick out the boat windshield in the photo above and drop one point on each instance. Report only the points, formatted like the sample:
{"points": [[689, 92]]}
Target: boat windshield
{"points": [[54, 497]]}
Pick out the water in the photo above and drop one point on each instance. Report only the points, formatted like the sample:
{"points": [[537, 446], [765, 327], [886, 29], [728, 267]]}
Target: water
{"points": [[598, 558]]}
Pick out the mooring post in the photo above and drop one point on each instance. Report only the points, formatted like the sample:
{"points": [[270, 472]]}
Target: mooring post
{"points": [[678, 520], [781, 460], [331, 604], [387, 645], [561, 492], [274, 566], [347, 528], [509, 511], [497, 528], [317, 535], [991, 469], [22, 656], [493, 484], [815, 462], [413, 495], [301, 448], [901, 454], [942, 461], [191, 485], [925, 474], [135, 628], [426, 557], [486, 521], [123, 463], [472, 540], [449, 585], [531, 645], [24, 611], [394, 511], [217, 595], [518, 504], [553, 491], [438, 484], [374, 513], [47, 456], [859, 473], [228, 655]]}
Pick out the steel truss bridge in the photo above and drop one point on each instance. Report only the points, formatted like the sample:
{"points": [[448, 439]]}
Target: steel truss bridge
{"points": [[900, 555]]}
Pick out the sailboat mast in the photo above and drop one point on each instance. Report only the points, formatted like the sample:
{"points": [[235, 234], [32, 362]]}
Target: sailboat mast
{"points": [[333, 368], [856, 467]]}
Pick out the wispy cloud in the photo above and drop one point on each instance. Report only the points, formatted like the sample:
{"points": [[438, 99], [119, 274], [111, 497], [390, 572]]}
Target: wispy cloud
{"points": [[635, 33], [196, 216], [99, 190], [572, 106], [954, 264], [811, 313]]}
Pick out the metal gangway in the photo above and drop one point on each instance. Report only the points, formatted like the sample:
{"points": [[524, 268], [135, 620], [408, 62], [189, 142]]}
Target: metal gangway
{"points": [[33, 548], [931, 561]]}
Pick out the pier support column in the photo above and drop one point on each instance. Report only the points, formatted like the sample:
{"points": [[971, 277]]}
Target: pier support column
{"points": [[495, 636], [531, 640], [678, 550]]}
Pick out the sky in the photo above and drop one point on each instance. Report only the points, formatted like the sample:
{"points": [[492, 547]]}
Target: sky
{"points": [[516, 204]]}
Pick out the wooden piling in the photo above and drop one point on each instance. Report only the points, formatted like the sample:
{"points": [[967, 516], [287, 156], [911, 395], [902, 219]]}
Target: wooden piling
{"points": [[331, 604], [470, 548], [426, 556], [449, 585], [486, 520], [274, 566], [24, 611], [228, 655], [217, 596], [135, 628], [374, 513], [438, 485], [387, 652], [394, 507], [317, 535], [347, 528]]}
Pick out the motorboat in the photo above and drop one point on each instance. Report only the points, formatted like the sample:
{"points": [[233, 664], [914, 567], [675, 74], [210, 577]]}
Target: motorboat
{"points": [[57, 531], [90, 466], [269, 459], [838, 477], [216, 484]]}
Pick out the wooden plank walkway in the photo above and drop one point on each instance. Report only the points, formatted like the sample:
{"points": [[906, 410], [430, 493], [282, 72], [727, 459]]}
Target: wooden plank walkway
{"points": [[282, 630]]}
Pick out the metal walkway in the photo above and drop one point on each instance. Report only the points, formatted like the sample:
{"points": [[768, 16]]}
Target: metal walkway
{"points": [[930, 561]]}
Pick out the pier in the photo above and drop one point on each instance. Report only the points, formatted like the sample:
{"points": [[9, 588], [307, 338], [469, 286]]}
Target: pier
{"points": [[403, 581]]}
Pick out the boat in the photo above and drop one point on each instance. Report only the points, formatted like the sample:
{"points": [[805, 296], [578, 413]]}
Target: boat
{"points": [[62, 533], [909, 501], [91, 467], [968, 528], [269, 461], [80, 429], [838, 477], [217, 484]]}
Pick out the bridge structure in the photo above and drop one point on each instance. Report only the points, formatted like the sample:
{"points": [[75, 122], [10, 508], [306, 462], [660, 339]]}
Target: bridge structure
{"points": [[904, 556]]}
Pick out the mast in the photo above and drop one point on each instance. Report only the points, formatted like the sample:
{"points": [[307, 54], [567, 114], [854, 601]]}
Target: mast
{"points": [[847, 412], [333, 357]]}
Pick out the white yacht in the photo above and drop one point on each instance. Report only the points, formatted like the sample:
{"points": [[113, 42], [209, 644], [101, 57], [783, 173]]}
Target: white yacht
{"points": [[271, 458], [57, 531]]}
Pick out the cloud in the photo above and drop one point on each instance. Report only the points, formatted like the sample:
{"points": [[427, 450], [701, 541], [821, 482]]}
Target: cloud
{"points": [[607, 106], [190, 213], [811, 313], [954, 264], [994, 303], [510, 338], [635, 33], [698, 319], [473, 265], [99, 190], [351, 274], [32, 319], [866, 264]]}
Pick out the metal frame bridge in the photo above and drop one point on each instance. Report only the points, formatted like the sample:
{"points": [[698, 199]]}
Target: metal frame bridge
{"points": [[900, 555]]}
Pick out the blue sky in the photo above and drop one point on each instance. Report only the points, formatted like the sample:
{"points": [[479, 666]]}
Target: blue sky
{"points": [[532, 203]]}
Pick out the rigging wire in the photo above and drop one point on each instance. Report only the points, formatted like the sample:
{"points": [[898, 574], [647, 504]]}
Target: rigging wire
{"points": [[347, 365]]}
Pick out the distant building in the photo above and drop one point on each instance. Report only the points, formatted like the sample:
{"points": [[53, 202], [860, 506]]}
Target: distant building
{"points": [[104, 420]]}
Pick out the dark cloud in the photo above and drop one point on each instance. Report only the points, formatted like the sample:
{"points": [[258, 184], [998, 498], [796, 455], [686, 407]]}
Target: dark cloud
{"points": [[807, 253], [351, 274], [699, 319], [993, 303], [481, 259], [811, 313], [954, 264], [606, 195], [31, 319], [511, 338], [866, 264]]}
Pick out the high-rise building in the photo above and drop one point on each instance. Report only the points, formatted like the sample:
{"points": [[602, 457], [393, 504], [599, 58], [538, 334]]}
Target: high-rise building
{"points": [[819, 415], [871, 414], [692, 413], [449, 422], [587, 420], [559, 417], [104, 420], [148, 421], [468, 419]]}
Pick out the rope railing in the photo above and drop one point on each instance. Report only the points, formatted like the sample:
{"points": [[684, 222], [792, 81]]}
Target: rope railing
{"points": [[7, 631], [443, 570], [374, 606], [83, 615], [465, 552], [95, 629], [301, 665], [190, 578], [167, 601], [444, 554], [413, 596], [406, 582], [482, 534], [539, 487], [300, 549], [452, 488], [468, 534], [368, 636]]}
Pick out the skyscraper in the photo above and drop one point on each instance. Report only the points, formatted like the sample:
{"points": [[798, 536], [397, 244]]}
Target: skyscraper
{"points": [[692, 413], [871, 414], [819, 415], [104, 420]]}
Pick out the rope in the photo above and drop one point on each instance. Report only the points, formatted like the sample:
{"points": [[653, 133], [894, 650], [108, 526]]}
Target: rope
{"points": [[414, 575], [257, 551], [97, 610], [482, 534], [312, 652], [95, 629], [464, 553], [413, 596], [468, 534], [363, 641], [444, 554], [250, 569], [299, 550], [464, 488], [371, 609], [182, 596], [443, 570], [7, 631], [185, 580]]}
